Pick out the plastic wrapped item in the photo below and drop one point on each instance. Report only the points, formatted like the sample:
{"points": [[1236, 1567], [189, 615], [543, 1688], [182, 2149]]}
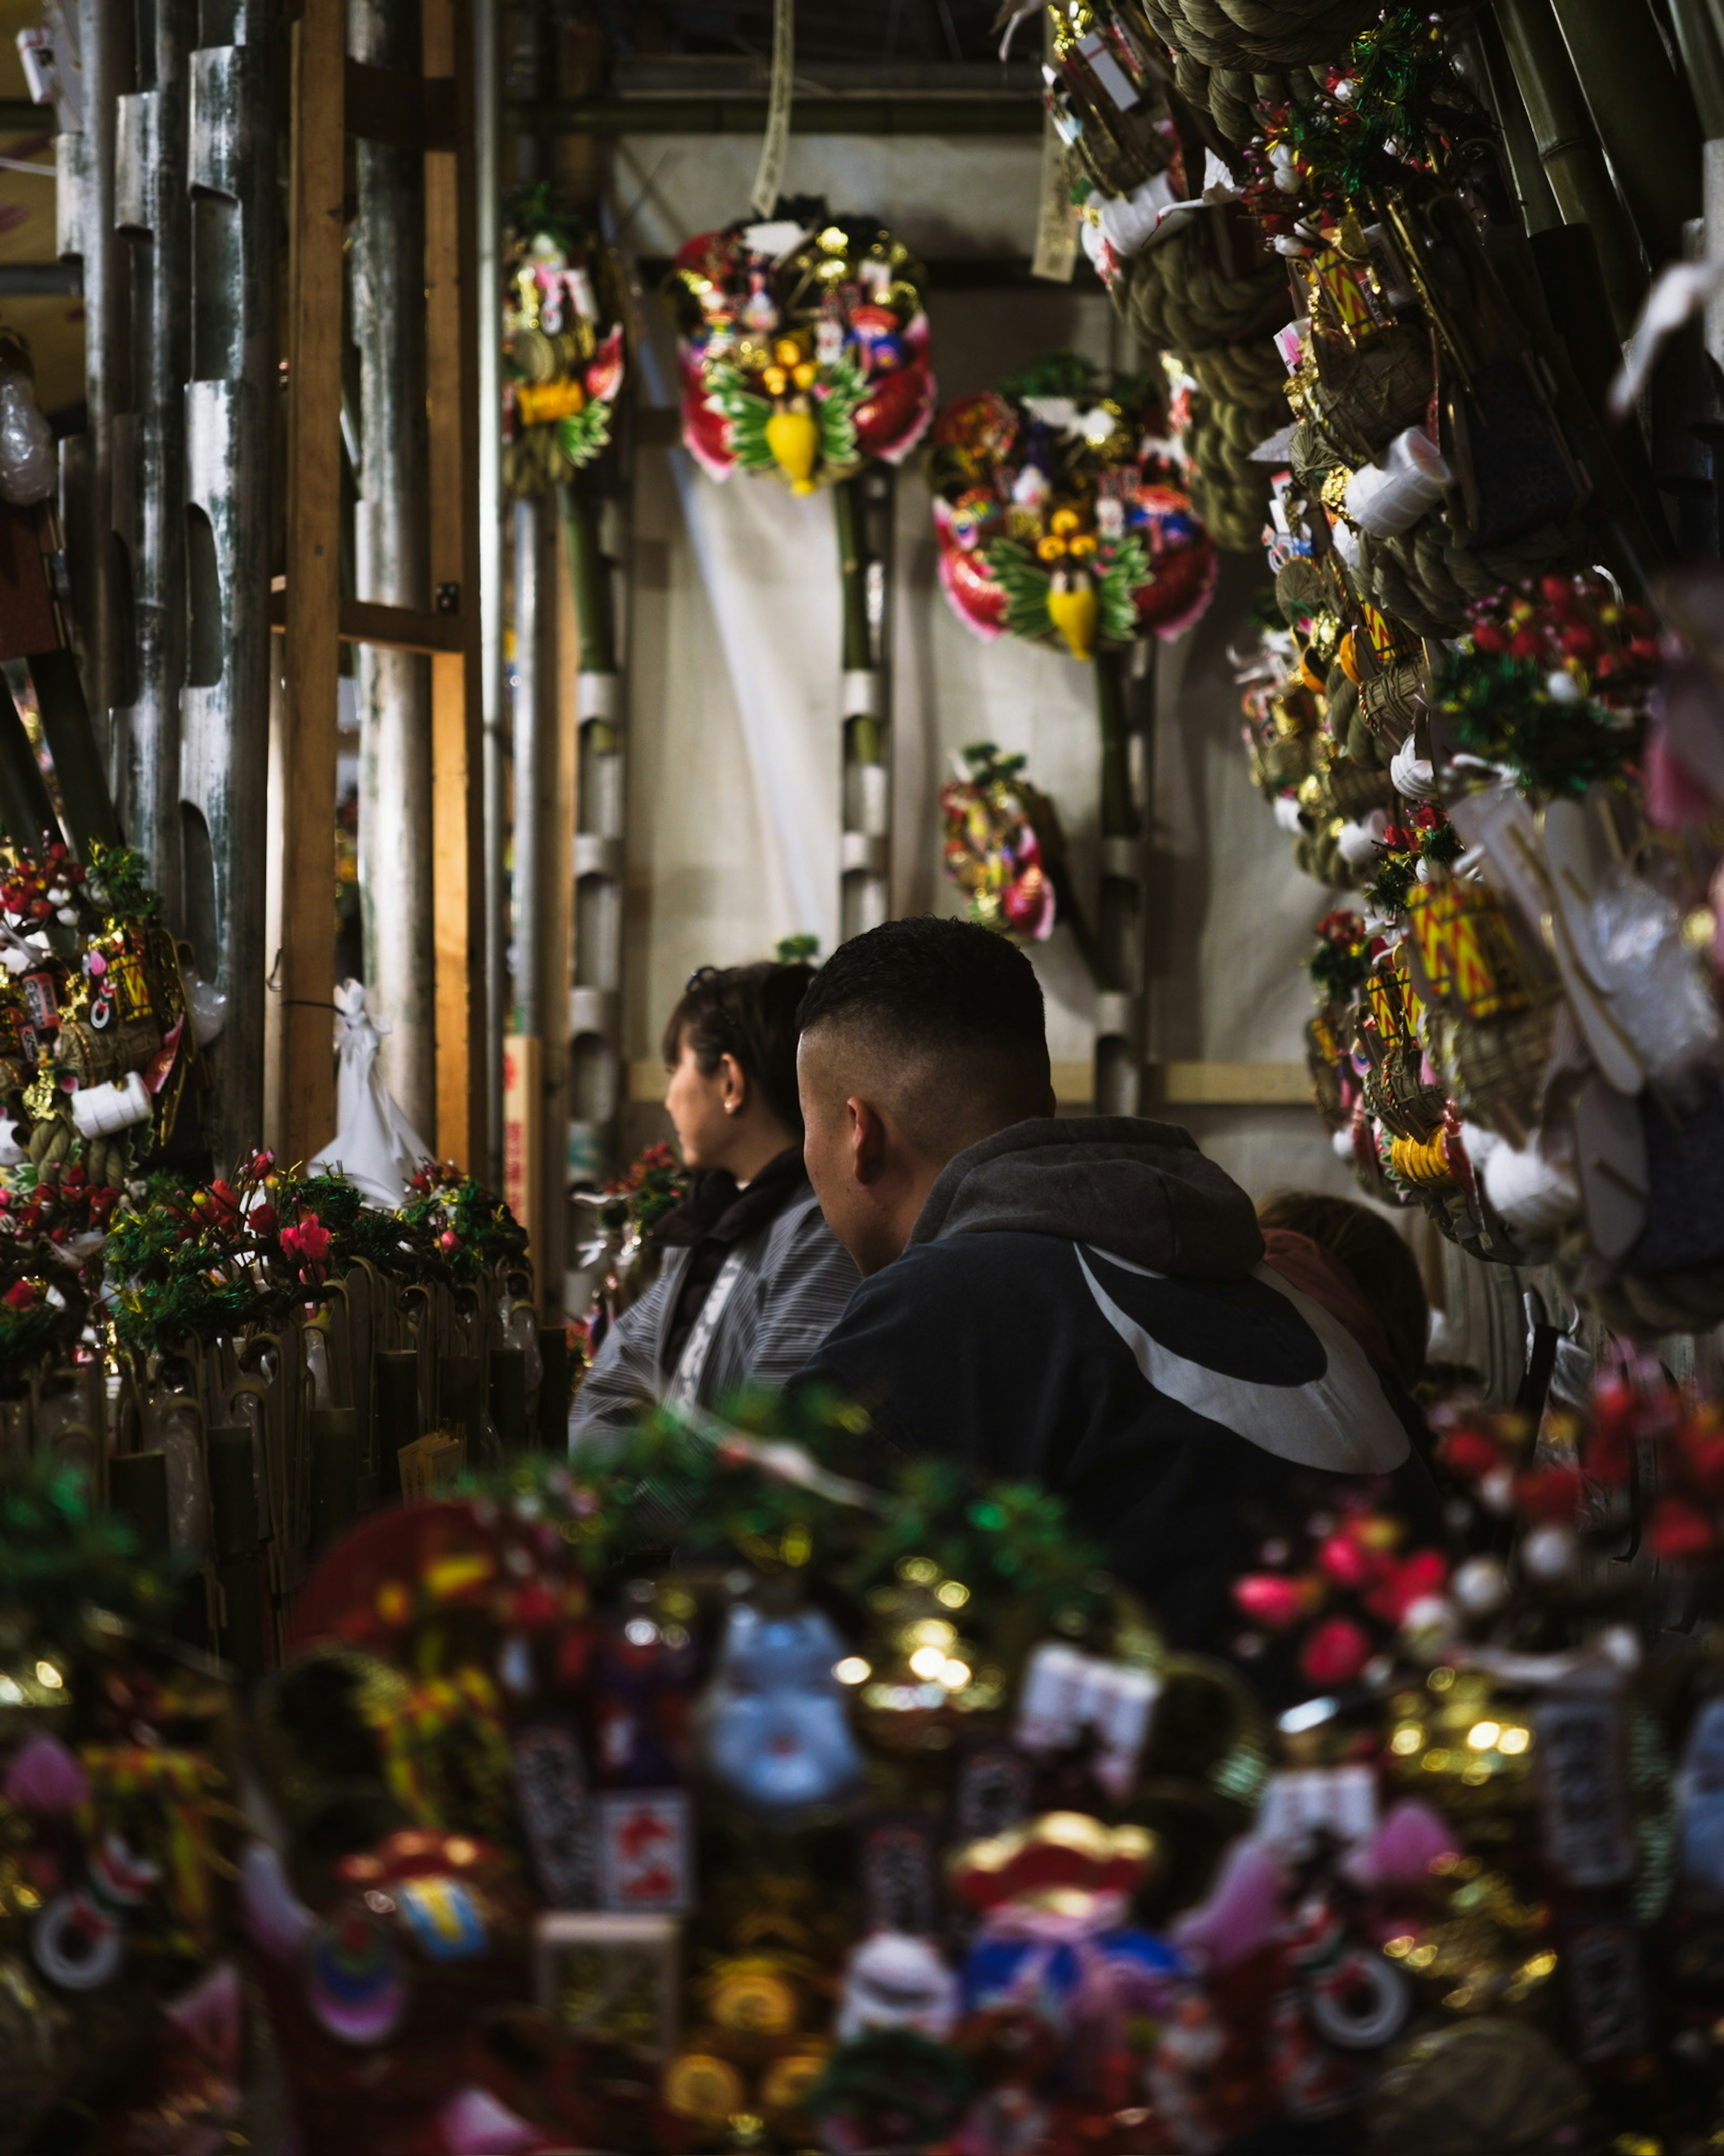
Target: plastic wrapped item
{"points": [[29, 467], [1655, 988], [207, 1005], [1391, 495], [1535, 1194], [374, 1145]]}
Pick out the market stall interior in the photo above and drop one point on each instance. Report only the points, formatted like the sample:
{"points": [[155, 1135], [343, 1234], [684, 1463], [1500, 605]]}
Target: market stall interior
{"points": [[674, 672]]}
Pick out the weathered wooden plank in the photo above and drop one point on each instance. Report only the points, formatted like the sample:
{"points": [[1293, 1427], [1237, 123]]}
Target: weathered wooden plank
{"points": [[312, 609], [453, 301]]}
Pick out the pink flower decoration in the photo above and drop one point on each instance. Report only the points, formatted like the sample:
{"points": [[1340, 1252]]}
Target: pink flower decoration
{"points": [[1336, 1651], [46, 1778]]}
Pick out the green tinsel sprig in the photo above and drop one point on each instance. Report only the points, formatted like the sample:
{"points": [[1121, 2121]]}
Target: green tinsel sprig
{"points": [[1499, 708]]}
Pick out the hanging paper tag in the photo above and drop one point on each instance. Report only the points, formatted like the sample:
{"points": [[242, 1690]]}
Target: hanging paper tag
{"points": [[898, 1877], [557, 1811], [1307, 1801], [994, 1787], [1056, 240], [643, 1853], [1607, 1989], [1586, 1827], [612, 1978], [1067, 1696]]}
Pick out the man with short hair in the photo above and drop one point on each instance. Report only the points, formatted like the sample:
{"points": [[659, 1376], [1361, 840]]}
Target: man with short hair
{"points": [[1079, 1301]]}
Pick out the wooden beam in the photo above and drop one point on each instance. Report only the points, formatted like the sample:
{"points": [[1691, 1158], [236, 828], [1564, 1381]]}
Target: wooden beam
{"points": [[453, 301], [310, 658], [396, 628]]}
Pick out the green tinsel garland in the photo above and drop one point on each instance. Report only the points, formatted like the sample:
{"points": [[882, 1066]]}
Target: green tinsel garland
{"points": [[731, 1491], [1499, 708], [1336, 972], [60, 1553], [1395, 72]]}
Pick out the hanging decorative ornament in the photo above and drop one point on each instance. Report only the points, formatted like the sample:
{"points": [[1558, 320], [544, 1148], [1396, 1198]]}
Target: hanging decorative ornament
{"points": [[804, 347], [993, 849], [1061, 512], [563, 347]]}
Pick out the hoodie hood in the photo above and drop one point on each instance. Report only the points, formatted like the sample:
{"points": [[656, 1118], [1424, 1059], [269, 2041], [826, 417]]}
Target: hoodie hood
{"points": [[1138, 1190]]}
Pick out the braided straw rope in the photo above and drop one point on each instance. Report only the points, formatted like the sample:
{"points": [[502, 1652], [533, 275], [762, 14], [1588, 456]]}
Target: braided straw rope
{"points": [[1178, 299], [1253, 33], [1232, 95]]}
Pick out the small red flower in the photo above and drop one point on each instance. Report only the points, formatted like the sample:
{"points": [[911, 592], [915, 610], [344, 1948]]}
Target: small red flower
{"points": [[22, 1295], [1678, 1530], [308, 1239], [1336, 1651]]}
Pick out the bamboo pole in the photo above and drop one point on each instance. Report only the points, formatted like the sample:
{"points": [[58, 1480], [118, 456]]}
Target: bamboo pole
{"points": [[1699, 41], [1643, 114], [309, 650], [1570, 151], [233, 1518], [391, 549], [456, 300], [862, 509], [25, 810]]}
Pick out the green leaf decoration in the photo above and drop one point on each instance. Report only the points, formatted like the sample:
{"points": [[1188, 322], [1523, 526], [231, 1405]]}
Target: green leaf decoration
{"points": [[729, 396], [585, 433], [843, 389], [1126, 568], [1026, 584]]}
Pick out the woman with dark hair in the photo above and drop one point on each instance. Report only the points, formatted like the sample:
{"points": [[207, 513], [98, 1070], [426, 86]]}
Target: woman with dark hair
{"points": [[753, 1279]]}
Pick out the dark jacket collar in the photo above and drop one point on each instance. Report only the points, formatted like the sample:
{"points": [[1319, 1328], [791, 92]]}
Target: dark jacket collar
{"points": [[714, 1206], [1138, 1189]]}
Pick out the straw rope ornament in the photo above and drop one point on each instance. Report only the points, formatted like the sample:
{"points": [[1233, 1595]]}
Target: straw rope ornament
{"points": [[1260, 33]]}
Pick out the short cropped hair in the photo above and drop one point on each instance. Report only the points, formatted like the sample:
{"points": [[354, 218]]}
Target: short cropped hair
{"points": [[937, 989], [749, 1011]]}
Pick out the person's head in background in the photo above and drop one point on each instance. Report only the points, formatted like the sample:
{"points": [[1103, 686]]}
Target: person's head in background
{"points": [[729, 1048], [919, 1040], [1371, 1253]]}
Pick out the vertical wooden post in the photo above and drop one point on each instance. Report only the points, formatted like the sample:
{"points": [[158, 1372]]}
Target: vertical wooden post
{"points": [[313, 599], [453, 301]]}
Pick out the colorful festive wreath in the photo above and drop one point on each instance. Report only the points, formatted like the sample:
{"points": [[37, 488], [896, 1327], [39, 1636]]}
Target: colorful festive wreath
{"points": [[804, 348], [1061, 513], [993, 850], [562, 345]]}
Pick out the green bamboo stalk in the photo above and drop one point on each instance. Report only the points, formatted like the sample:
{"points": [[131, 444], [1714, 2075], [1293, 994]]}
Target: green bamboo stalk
{"points": [[595, 608], [1538, 203], [1642, 113], [1119, 812], [396, 1415], [91, 816], [25, 810], [335, 1474], [137, 1490], [1585, 351], [233, 1511], [1699, 41], [1570, 151], [508, 1399], [862, 732], [551, 1422]]}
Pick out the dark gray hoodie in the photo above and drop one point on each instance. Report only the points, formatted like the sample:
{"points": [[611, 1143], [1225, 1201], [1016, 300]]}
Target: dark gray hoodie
{"points": [[1084, 1302]]}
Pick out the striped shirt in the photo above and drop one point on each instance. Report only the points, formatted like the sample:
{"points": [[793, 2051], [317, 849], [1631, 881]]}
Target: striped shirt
{"points": [[792, 1280]]}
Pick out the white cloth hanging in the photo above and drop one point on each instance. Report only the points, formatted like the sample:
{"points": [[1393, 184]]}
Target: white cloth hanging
{"points": [[375, 1146]]}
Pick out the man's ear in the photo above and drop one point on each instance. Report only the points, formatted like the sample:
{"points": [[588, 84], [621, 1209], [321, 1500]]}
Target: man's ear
{"points": [[868, 1140]]}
